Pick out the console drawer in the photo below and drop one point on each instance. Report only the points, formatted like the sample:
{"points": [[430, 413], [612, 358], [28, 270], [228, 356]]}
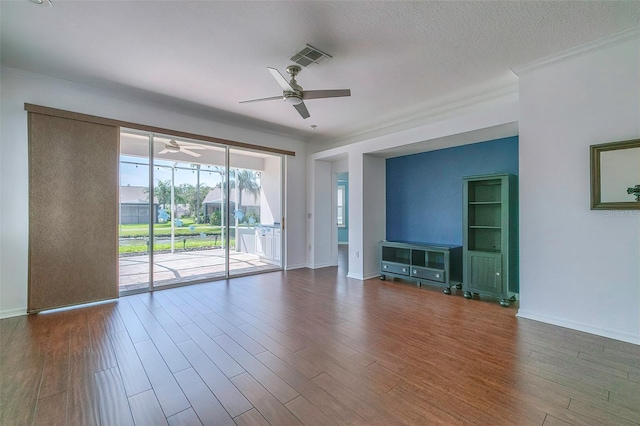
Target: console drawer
{"points": [[428, 274], [394, 268]]}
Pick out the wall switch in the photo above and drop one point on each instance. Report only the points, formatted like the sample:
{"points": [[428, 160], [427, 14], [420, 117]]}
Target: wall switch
{"points": [[358, 254]]}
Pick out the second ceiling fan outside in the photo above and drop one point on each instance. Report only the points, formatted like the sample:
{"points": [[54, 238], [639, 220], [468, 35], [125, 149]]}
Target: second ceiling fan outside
{"points": [[174, 147], [292, 92]]}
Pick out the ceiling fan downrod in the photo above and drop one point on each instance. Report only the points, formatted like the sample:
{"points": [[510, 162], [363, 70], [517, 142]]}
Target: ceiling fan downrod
{"points": [[295, 97]]}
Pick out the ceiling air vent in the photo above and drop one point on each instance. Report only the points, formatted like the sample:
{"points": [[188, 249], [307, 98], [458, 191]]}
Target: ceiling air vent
{"points": [[309, 55]]}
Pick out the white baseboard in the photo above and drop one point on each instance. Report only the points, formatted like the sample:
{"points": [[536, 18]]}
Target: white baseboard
{"points": [[322, 265], [604, 332], [298, 266], [363, 277], [13, 313]]}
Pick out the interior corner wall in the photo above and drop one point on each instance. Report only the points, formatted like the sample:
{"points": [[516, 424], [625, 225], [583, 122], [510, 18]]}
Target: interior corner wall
{"points": [[356, 210], [323, 222], [19, 87], [374, 216], [578, 267], [295, 241]]}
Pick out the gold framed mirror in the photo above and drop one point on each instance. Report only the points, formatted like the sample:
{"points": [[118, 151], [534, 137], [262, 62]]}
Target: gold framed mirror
{"points": [[615, 175]]}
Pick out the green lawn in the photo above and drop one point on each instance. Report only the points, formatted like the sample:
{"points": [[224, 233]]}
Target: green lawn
{"points": [[135, 244], [164, 229]]}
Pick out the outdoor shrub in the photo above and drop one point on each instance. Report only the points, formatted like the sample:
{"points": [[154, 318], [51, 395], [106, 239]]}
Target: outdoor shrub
{"points": [[215, 218], [251, 214]]}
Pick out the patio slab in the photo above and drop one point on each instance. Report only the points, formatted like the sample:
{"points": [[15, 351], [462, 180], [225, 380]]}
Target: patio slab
{"points": [[180, 267]]}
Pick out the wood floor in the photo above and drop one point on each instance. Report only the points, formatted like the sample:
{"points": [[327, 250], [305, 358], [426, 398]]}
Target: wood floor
{"points": [[309, 347]]}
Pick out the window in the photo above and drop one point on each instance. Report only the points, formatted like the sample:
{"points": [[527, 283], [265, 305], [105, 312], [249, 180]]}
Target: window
{"points": [[342, 220]]}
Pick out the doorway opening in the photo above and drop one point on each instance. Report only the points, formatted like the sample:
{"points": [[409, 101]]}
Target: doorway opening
{"points": [[342, 215]]}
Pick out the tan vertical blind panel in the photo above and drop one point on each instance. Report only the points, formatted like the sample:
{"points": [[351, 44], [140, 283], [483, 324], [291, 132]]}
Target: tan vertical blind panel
{"points": [[73, 216]]}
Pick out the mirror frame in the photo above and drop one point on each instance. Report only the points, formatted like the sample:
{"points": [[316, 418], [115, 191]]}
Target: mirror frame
{"points": [[596, 176]]}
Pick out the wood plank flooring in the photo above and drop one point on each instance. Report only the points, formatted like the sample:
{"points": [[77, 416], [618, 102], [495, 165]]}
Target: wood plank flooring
{"points": [[313, 348]]}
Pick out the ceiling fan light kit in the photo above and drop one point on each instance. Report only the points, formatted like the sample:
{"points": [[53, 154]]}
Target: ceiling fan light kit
{"points": [[292, 98]]}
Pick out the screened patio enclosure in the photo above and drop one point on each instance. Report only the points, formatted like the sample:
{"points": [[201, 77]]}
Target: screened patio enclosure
{"points": [[193, 211]]}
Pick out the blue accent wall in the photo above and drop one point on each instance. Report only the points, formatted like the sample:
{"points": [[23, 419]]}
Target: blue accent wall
{"points": [[343, 232], [424, 191]]}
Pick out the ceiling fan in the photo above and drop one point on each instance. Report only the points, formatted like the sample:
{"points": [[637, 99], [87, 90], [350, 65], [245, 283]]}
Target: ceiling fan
{"points": [[173, 147], [293, 94]]}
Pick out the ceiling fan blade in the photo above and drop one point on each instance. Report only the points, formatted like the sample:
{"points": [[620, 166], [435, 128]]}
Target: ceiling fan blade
{"points": [[317, 94], [273, 98], [302, 109], [164, 151], [191, 153], [281, 80], [192, 147]]}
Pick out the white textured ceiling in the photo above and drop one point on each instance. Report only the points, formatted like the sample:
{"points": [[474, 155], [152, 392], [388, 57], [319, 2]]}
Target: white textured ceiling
{"points": [[398, 58]]}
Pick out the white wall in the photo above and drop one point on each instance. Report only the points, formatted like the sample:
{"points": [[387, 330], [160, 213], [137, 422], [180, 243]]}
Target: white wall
{"points": [[295, 243], [579, 268], [356, 208], [323, 223], [18, 88], [374, 217], [340, 166]]}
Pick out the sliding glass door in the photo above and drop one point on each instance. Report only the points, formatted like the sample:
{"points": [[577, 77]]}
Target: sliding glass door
{"points": [[189, 243], [212, 212], [135, 214], [256, 211]]}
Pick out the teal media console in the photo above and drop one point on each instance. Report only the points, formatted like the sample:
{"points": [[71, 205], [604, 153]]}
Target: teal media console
{"points": [[439, 265]]}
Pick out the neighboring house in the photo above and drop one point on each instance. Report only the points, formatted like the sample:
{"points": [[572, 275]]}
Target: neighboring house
{"points": [[182, 210], [134, 205], [250, 203]]}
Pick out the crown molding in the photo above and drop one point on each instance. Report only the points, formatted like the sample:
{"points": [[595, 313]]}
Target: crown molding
{"points": [[588, 47], [446, 108]]}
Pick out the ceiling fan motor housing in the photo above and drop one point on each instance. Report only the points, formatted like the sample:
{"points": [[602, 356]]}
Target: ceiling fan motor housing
{"points": [[172, 146], [293, 70]]}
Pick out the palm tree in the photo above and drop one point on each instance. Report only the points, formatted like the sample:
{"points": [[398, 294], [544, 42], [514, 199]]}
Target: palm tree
{"points": [[191, 195], [246, 179], [162, 192], [246, 182], [222, 171]]}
